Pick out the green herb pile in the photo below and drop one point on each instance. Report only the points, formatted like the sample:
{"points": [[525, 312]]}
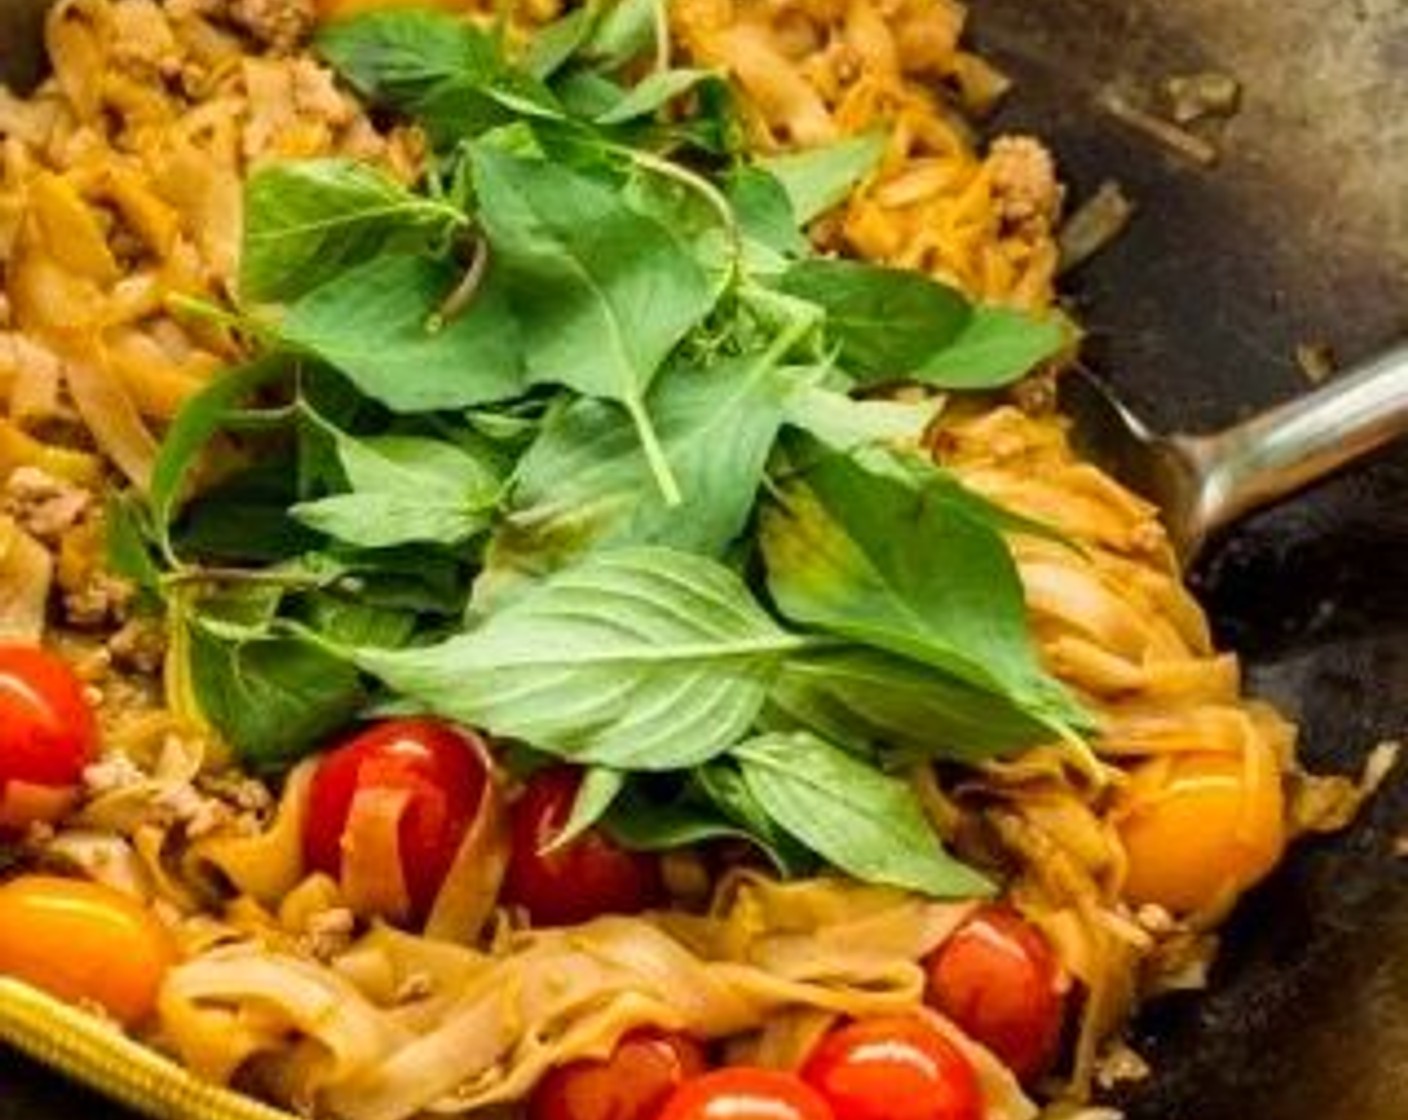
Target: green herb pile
{"points": [[572, 444]]}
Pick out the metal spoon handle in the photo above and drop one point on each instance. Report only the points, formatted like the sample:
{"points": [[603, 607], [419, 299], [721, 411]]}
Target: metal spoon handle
{"points": [[1287, 447]]}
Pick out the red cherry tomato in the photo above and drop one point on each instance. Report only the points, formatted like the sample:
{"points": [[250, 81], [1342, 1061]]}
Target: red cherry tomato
{"points": [[998, 979], [591, 875], [48, 733], [633, 1084], [893, 1068], [440, 769], [741, 1093]]}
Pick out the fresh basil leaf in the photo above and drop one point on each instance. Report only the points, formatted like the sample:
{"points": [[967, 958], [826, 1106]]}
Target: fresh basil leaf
{"points": [[272, 699], [764, 211], [207, 412], [376, 323], [722, 784], [345, 621], [128, 536], [887, 321], [910, 569], [995, 347], [641, 659], [306, 221], [584, 483], [845, 424], [405, 489], [864, 822], [818, 179], [653, 93], [602, 293], [554, 44], [642, 823], [244, 519], [625, 31], [868, 701], [444, 71], [423, 579], [585, 94], [600, 787], [381, 520]]}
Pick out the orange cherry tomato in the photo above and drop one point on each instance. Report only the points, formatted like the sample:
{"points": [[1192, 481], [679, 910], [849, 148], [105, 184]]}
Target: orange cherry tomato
{"points": [[742, 1093], [633, 1084], [84, 942], [48, 733], [893, 1068], [997, 978], [1200, 828]]}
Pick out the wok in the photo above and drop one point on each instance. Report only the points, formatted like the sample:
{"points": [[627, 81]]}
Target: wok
{"points": [[1298, 235]]}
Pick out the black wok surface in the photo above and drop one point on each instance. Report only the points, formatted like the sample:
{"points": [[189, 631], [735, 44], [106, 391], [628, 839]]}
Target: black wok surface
{"points": [[1300, 234]]}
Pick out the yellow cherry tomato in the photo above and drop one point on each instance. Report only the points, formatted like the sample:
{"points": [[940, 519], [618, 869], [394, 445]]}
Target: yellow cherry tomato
{"points": [[1198, 829], [84, 942]]}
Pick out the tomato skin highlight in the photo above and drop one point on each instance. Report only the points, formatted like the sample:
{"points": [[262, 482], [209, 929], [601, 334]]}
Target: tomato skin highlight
{"points": [[48, 733], [998, 979], [893, 1068], [84, 942], [742, 1093], [442, 769], [1196, 833], [578, 881], [633, 1084]]}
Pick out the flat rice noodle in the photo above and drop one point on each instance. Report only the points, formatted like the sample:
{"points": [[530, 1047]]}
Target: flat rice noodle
{"points": [[268, 866], [373, 881], [110, 414], [26, 575], [481, 1029], [467, 898]]}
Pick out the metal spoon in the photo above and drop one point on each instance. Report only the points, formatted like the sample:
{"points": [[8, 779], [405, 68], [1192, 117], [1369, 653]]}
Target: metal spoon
{"points": [[1202, 483], [22, 43]]}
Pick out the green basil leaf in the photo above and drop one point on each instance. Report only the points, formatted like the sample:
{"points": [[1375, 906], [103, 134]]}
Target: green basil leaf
{"points": [[444, 71], [845, 424], [201, 417], [127, 537], [625, 31], [764, 211], [602, 293], [870, 701], [641, 659], [653, 93], [887, 321], [422, 579], [642, 823], [996, 347], [306, 221], [346, 621], [382, 520], [584, 484], [554, 44], [867, 823], [376, 323], [818, 179], [911, 569], [272, 699], [405, 489], [722, 784], [599, 789], [244, 519]]}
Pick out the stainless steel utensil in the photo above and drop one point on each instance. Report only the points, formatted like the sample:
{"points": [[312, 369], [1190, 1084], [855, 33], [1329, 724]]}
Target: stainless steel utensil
{"points": [[1202, 483], [21, 42]]}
